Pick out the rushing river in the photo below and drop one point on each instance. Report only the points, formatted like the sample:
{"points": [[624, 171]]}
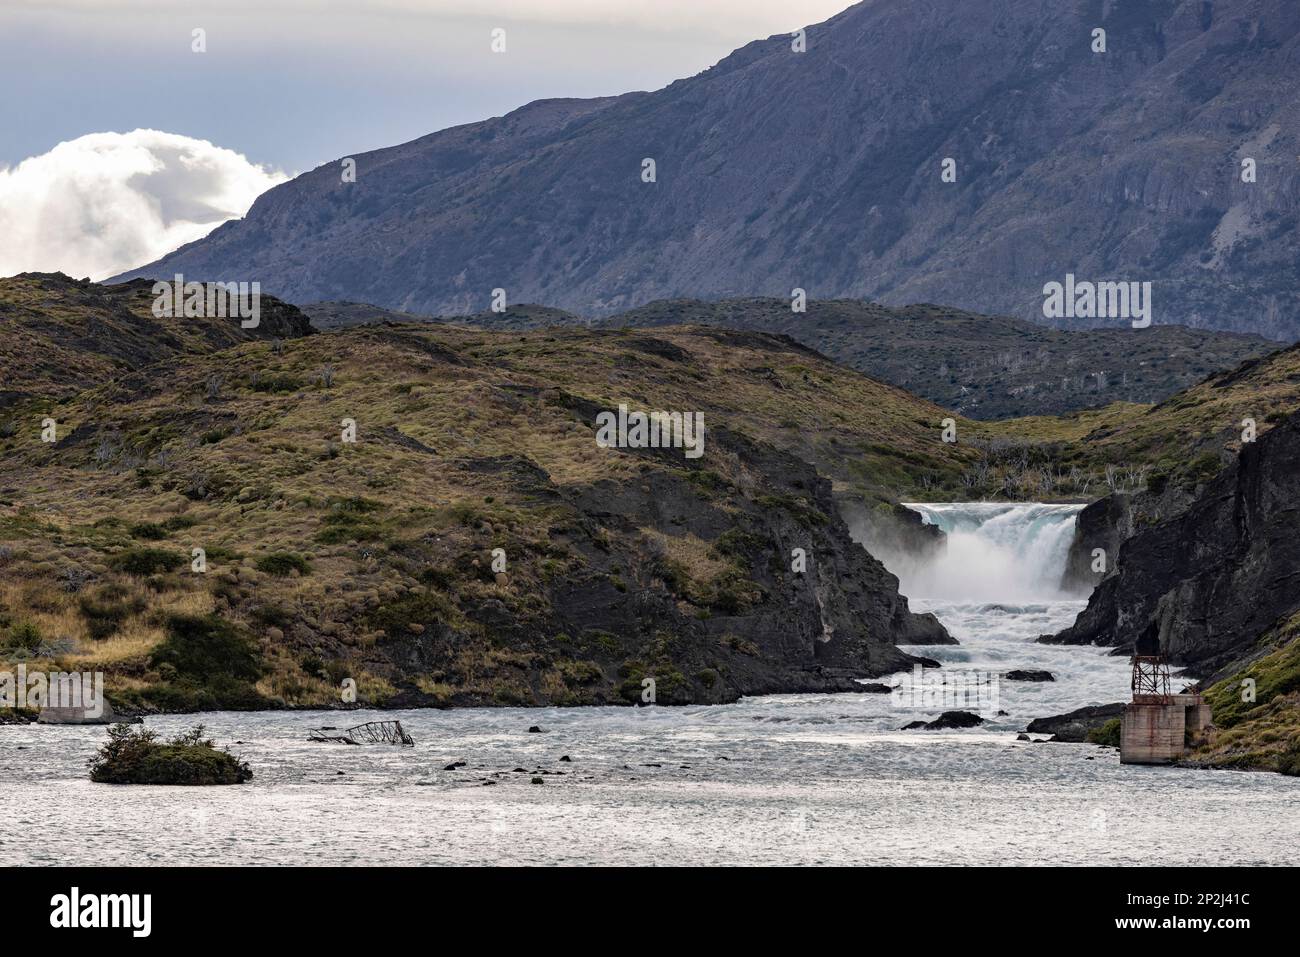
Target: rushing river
{"points": [[783, 779]]}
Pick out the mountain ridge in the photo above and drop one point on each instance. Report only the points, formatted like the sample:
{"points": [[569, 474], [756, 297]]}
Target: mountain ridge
{"points": [[822, 170]]}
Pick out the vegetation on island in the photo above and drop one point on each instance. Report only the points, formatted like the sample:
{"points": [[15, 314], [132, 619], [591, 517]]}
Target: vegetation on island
{"points": [[136, 755]]}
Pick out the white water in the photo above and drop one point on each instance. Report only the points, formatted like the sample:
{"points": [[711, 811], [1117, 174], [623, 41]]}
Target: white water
{"points": [[780, 779], [995, 552], [996, 587]]}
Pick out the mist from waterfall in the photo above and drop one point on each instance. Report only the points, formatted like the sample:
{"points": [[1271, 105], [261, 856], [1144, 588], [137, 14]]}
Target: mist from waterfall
{"points": [[994, 552]]}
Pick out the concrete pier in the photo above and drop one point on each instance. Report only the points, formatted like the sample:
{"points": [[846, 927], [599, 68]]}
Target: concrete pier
{"points": [[1158, 729]]}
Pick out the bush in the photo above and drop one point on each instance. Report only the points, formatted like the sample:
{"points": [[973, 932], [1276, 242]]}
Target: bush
{"points": [[105, 612], [281, 564], [24, 635], [276, 383], [206, 664], [206, 648], [146, 561], [1289, 762], [1107, 734], [138, 757]]}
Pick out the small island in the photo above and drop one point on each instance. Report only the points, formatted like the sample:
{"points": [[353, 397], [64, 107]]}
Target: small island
{"points": [[137, 756]]}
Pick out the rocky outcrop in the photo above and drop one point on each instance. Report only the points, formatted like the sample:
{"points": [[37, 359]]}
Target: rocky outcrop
{"points": [[1074, 726], [946, 721], [1213, 578], [63, 335], [1109, 522], [81, 715], [893, 530], [1029, 675], [1104, 524], [784, 630]]}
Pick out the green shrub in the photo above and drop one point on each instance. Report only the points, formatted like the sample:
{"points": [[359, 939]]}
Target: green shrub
{"points": [[276, 383], [205, 647], [418, 608], [346, 526], [1107, 734], [205, 664], [281, 564], [107, 609], [1289, 762], [24, 635], [146, 561]]}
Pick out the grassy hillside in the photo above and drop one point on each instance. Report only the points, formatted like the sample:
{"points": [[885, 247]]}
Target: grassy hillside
{"points": [[1257, 708], [1184, 440], [57, 334], [374, 560]]}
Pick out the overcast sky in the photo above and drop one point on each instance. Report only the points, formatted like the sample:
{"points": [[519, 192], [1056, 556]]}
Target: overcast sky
{"points": [[292, 84]]}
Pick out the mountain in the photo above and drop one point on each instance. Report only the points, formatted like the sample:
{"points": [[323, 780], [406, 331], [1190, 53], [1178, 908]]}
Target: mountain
{"points": [[374, 560], [984, 367], [822, 170]]}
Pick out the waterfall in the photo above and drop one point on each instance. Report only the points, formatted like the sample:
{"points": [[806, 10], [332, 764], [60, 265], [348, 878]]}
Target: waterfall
{"points": [[995, 552], [996, 588]]}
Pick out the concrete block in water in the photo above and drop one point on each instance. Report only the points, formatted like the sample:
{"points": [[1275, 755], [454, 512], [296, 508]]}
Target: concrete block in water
{"points": [[1152, 733], [1159, 731]]}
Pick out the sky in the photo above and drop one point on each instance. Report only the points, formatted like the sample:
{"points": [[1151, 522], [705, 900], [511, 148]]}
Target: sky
{"points": [[286, 85]]}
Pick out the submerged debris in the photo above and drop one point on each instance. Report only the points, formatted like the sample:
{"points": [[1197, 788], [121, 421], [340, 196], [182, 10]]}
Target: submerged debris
{"points": [[372, 732]]}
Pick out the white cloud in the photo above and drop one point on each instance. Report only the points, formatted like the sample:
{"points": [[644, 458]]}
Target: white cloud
{"points": [[106, 202]]}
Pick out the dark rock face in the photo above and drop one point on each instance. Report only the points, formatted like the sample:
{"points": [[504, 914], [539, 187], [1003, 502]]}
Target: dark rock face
{"points": [[894, 531], [1109, 522], [823, 170], [1074, 727], [949, 719], [1104, 524], [811, 631], [1029, 675], [1213, 578]]}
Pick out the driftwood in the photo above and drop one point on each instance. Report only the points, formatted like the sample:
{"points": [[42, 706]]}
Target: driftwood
{"points": [[372, 732]]}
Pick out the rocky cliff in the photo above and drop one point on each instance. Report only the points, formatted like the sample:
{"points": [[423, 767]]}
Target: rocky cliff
{"points": [[1215, 576]]}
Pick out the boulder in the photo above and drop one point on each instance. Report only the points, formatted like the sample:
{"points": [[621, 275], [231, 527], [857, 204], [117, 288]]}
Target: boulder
{"points": [[1074, 726], [949, 719]]}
